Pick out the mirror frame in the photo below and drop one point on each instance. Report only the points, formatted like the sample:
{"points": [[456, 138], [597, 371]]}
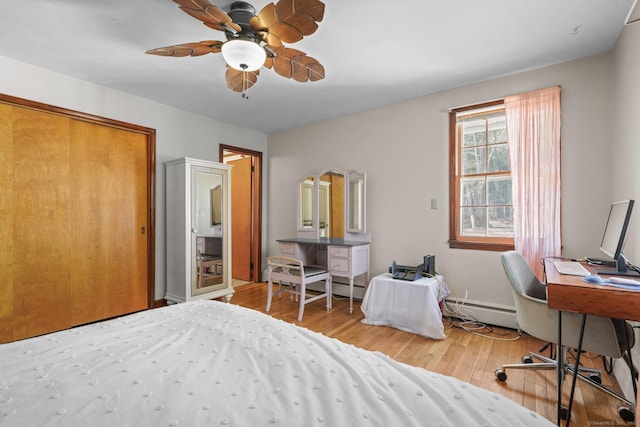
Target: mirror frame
{"points": [[221, 231], [309, 181], [361, 177], [350, 233]]}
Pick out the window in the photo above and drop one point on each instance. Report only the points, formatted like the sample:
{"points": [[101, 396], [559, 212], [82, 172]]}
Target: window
{"points": [[480, 179]]}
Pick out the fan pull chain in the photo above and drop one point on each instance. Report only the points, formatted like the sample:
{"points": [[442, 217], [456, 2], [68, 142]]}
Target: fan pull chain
{"points": [[245, 84]]}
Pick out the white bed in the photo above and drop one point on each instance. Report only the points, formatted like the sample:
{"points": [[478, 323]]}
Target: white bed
{"points": [[217, 364]]}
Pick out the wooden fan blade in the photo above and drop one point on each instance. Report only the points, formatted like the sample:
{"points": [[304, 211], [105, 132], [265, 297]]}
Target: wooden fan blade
{"points": [[265, 18], [313, 8], [301, 14], [288, 20], [285, 32], [210, 14], [189, 49], [295, 64], [240, 81]]}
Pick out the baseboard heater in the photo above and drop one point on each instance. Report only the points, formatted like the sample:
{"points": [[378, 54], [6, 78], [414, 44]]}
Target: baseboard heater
{"points": [[491, 314]]}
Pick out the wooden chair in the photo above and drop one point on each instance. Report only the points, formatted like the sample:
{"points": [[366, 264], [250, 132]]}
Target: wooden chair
{"points": [[292, 276]]}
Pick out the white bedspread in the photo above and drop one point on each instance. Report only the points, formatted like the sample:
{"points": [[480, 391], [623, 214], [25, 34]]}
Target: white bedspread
{"points": [[216, 364]]}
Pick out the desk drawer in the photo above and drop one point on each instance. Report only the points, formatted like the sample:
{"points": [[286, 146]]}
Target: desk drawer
{"points": [[338, 265], [338, 251], [287, 249]]}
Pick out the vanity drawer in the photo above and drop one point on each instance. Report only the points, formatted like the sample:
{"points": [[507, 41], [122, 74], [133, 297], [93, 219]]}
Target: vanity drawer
{"points": [[287, 249], [338, 265], [338, 251]]}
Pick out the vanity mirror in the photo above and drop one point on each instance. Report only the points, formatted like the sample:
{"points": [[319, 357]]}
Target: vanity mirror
{"points": [[356, 202], [306, 204], [332, 205]]}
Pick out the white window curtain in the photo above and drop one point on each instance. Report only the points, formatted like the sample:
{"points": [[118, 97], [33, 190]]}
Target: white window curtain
{"points": [[533, 127]]}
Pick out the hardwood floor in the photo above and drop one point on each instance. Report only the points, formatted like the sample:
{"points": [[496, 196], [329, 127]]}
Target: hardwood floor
{"points": [[464, 355]]}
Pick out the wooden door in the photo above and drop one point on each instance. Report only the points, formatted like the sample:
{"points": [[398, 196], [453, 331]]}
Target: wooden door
{"points": [[34, 219], [109, 217], [241, 218], [75, 221], [251, 189]]}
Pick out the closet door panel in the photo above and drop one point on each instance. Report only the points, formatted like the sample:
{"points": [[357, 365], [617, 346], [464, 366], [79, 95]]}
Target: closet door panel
{"points": [[8, 307], [109, 217], [39, 183]]}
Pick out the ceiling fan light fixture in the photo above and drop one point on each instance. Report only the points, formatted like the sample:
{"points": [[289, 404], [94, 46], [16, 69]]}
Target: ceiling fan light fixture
{"points": [[243, 55]]}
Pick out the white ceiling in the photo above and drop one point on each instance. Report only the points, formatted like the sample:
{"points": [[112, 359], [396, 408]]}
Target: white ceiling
{"points": [[375, 52]]}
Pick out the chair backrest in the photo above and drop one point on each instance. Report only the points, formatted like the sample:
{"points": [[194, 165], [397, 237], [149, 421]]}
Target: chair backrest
{"points": [[280, 267], [521, 275]]}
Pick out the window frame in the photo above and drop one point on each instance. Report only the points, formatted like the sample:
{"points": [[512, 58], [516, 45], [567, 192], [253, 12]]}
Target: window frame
{"points": [[455, 240]]}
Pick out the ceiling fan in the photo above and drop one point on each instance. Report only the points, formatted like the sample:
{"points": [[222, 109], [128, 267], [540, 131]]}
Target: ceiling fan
{"points": [[255, 40]]}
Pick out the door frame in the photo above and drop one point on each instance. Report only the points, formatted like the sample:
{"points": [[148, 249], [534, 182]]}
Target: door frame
{"points": [[225, 151]]}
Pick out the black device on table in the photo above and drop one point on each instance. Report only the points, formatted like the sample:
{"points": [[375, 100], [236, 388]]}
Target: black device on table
{"points": [[410, 273]]}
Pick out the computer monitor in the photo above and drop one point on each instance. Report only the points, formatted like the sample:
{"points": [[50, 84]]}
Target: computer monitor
{"points": [[615, 233]]}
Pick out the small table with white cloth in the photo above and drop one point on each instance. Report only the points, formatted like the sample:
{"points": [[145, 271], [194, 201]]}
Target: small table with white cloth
{"points": [[411, 306]]}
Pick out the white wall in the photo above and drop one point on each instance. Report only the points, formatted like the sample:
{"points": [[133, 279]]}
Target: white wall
{"points": [[178, 133], [626, 151], [404, 150], [626, 131]]}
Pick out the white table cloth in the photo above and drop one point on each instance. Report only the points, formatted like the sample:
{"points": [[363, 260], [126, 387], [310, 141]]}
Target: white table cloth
{"points": [[409, 306]]}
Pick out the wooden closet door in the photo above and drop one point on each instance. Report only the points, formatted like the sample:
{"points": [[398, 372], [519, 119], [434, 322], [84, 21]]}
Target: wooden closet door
{"points": [[34, 219], [108, 221], [74, 213]]}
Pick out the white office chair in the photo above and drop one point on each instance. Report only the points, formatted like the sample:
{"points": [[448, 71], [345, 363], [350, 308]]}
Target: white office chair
{"points": [[602, 335], [292, 276]]}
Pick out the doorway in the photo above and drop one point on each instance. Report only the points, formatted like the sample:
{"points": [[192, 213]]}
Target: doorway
{"points": [[246, 208]]}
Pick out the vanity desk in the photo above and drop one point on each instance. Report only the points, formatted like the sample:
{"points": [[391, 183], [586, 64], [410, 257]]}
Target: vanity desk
{"points": [[331, 226], [343, 258]]}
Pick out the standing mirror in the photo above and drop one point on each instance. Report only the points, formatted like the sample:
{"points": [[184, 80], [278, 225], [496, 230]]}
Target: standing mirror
{"points": [[198, 203], [356, 202], [208, 233]]}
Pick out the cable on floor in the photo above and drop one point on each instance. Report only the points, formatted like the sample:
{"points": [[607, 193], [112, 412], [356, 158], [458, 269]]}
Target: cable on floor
{"points": [[461, 318]]}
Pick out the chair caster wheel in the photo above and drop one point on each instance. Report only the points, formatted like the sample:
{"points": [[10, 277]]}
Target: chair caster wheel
{"points": [[595, 378], [501, 375], [527, 359], [626, 413], [563, 412]]}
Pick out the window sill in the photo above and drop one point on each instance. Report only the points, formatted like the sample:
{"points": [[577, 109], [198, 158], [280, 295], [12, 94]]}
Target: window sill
{"points": [[481, 246]]}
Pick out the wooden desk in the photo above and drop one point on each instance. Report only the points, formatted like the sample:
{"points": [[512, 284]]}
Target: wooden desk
{"points": [[571, 293]]}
